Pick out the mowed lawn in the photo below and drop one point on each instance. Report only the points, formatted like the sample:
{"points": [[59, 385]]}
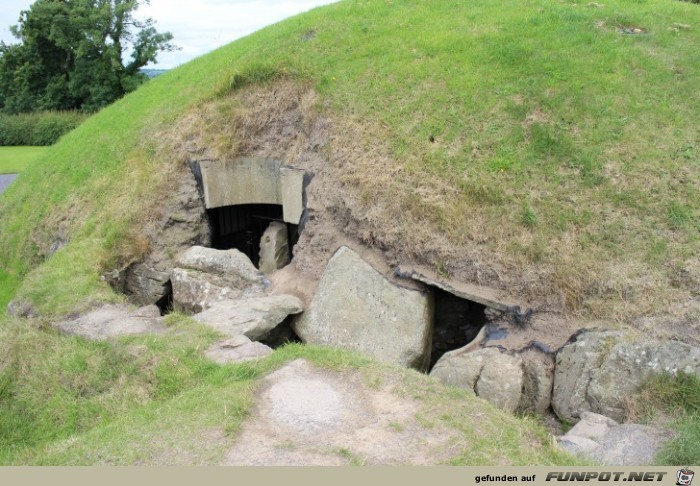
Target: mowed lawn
{"points": [[15, 159]]}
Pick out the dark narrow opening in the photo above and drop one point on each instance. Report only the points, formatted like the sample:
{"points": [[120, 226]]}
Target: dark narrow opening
{"points": [[281, 335], [165, 303], [456, 323], [242, 226]]}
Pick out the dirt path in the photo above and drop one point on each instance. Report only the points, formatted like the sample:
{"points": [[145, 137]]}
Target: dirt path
{"points": [[306, 416]]}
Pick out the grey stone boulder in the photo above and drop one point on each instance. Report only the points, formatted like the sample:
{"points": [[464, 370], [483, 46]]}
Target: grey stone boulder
{"points": [[601, 439], [494, 376], [538, 380], [601, 369], [204, 276], [195, 291], [232, 266], [144, 285], [237, 350], [629, 364], [114, 320], [274, 247], [254, 318], [576, 363], [355, 307]]}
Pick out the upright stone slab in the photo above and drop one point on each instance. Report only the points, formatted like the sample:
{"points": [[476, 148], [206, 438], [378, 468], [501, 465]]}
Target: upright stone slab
{"points": [[576, 365], [274, 247], [254, 318], [356, 308]]}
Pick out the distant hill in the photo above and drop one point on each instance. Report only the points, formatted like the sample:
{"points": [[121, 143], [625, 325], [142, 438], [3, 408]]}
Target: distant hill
{"points": [[152, 73]]}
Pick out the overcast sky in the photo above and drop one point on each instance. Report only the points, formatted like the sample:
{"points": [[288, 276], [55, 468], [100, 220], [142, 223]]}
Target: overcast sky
{"points": [[199, 26]]}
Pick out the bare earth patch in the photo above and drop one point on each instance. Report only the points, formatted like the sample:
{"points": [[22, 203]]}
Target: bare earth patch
{"points": [[308, 416]]}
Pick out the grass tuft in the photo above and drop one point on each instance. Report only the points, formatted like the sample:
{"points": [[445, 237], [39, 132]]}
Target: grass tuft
{"points": [[678, 398]]}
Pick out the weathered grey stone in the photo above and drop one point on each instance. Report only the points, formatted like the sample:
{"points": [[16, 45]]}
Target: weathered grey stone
{"points": [[274, 247], [601, 439], [233, 267], [576, 362], [254, 318], [208, 276], [237, 350], [598, 371], [195, 291], [355, 307], [494, 376], [144, 285], [538, 379], [592, 426], [578, 446], [629, 364], [180, 222], [501, 382], [462, 369], [114, 320]]}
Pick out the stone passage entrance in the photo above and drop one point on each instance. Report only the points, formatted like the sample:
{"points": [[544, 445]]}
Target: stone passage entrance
{"points": [[242, 227], [456, 323], [255, 206]]}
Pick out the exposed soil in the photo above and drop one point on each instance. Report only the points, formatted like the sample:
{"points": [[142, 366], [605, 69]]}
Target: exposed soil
{"points": [[283, 121]]}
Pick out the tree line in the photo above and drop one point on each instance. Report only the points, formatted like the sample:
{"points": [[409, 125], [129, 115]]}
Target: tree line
{"points": [[71, 55]]}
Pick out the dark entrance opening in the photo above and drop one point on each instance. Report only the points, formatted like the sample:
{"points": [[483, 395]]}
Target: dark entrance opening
{"points": [[165, 303], [282, 335], [456, 323], [242, 226]]}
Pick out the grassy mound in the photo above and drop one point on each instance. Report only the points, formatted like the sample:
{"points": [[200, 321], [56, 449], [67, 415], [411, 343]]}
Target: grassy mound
{"points": [[551, 147], [555, 144]]}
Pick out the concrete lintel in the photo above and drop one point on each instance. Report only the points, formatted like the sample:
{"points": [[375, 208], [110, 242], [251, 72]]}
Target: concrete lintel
{"points": [[476, 293], [254, 181], [291, 187]]}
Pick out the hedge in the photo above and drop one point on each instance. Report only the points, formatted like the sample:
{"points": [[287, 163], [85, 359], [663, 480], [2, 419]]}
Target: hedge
{"points": [[37, 128]]}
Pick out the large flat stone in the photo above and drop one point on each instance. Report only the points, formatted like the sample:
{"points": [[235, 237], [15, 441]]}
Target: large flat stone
{"points": [[237, 350], [206, 276], [114, 320], [603, 440], [254, 318], [233, 267], [355, 307]]}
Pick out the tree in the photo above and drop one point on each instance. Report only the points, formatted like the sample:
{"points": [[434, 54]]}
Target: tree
{"points": [[71, 55]]}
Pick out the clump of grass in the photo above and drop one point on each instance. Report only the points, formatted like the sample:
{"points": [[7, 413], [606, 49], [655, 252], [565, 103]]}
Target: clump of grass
{"points": [[678, 397], [53, 387]]}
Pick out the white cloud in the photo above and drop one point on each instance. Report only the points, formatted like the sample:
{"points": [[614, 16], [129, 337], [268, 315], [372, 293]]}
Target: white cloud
{"points": [[198, 26]]}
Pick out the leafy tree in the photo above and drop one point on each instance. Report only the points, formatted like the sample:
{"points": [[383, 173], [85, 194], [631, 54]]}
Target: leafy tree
{"points": [[71, 55]]}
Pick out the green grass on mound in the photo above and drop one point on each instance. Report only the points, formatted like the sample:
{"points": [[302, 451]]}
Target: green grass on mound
{"points": [[539, 135], [14, 160], [145, 400]]}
